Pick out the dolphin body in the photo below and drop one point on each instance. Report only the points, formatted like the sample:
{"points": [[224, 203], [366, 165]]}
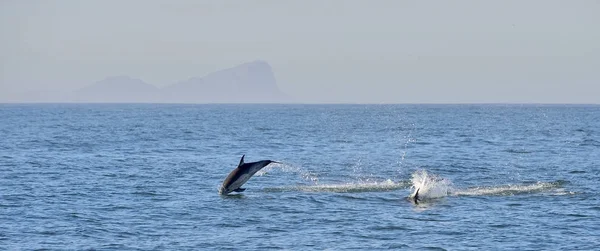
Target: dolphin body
{"points": [[241, 174]]}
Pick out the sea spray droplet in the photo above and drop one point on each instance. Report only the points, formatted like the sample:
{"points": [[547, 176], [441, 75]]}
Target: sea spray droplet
{"points": [[287, 168]]}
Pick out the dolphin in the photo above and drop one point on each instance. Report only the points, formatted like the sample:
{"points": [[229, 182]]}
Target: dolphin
{"points": [[241, 174]]}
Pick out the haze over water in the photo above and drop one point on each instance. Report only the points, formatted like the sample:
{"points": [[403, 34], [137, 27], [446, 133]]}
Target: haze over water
{"points": [[338, 51], [129, 177]]}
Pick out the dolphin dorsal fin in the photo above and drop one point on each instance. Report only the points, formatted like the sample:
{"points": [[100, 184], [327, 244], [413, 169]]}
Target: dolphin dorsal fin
{"points": [[241, 160], [416, 198]]}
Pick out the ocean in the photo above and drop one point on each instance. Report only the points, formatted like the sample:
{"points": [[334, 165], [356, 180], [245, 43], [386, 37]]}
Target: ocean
{"points": [[146, 177]]}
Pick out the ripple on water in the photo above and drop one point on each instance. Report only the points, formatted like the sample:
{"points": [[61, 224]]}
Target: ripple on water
{"points": [[132, 176]]}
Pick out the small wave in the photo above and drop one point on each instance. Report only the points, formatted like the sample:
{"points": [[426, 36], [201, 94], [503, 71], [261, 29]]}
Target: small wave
{"points": [[341, 141], [521, 151], [361, 187], [423, 143], [263, 129], [590, 142]]}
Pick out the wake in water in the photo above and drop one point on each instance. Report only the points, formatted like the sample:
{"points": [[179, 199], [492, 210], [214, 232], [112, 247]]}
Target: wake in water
{"points": [[431, 186], [350, 187], [508, 190], [358, 187]]}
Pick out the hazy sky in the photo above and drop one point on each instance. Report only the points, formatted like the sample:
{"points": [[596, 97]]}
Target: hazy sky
{"points": [[324, 51]]}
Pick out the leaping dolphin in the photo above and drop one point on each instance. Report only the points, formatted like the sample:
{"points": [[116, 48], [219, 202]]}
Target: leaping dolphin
{"points": [[241, 174]]}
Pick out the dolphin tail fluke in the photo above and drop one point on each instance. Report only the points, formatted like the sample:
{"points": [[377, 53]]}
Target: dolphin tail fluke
{"points": [[239, 190]]}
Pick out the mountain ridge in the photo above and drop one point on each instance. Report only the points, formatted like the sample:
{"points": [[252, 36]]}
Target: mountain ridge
{"points": [[250, 82]]}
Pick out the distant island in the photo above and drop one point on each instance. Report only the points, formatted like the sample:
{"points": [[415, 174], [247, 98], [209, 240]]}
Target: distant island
{"points": [[252, 82]]}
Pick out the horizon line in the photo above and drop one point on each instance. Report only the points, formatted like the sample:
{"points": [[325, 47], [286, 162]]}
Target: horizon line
{"points": [[301, 103]]}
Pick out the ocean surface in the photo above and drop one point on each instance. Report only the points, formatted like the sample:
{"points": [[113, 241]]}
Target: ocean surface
{"points": [[146, 177]]}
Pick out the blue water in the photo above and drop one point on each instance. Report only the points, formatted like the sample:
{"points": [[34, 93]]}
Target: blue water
{"points": [[133, 176]]}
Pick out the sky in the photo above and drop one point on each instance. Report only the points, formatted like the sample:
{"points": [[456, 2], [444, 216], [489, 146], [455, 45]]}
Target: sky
{"points": [[339, 51]]}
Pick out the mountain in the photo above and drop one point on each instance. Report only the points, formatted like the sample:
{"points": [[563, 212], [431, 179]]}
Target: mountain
{"points": [[120, 89], [252, 82]]}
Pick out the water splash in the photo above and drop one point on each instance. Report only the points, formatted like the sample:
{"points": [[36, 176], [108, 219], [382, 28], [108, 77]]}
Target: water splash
{"points": [[430, 186]]}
